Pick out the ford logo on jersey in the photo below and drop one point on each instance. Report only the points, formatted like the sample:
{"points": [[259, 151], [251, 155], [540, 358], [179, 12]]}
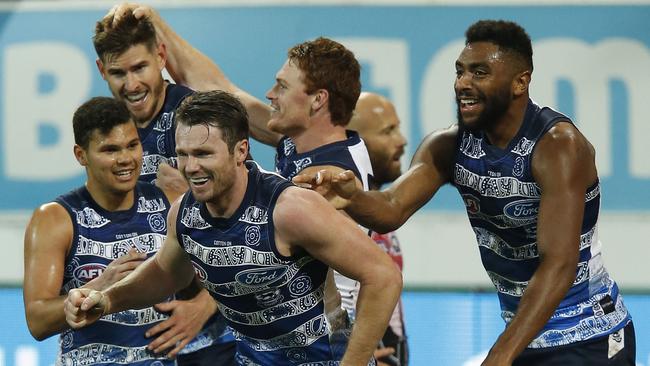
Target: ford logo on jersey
{"points": [[523, 209], [89, 271], [260, 276]]}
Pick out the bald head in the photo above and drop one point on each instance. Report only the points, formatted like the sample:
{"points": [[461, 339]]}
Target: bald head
{"points": [[377, 123]]}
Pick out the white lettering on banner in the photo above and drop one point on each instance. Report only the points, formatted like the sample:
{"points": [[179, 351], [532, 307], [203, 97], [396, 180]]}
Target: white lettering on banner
{"points": [[589, 68], [26, 108], [389, 68]]}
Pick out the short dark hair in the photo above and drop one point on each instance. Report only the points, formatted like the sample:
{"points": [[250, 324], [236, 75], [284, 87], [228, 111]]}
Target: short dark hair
{"points": [[98, 114], [115, 39], [218, 109], [509, 36], [329, 65]]}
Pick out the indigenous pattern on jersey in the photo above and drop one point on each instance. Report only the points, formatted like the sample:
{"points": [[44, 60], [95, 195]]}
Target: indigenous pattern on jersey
{"points": [[390, 244], [502, 202], [158, 140], [350, 154], [273, 303], [100, 237]]}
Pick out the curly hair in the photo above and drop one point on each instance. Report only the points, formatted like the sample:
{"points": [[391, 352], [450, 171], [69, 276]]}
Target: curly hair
{"points": [[509, 36], [328, 65]]}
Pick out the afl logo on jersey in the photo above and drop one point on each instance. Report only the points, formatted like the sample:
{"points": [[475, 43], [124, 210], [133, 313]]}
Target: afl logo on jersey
{"points": [[200, 272], [253, 235], [523, 209], [88, 272], [518, 169], [472, 204], [260, 276], [157, 222]]}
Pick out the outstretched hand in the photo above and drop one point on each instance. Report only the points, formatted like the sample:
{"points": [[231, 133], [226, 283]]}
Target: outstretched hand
{"points": [[117, 269], [338, 188], [186, 321], [83, 307]]}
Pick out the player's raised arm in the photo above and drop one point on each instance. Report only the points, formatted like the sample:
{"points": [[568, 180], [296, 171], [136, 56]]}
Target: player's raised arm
{"points": [[189, 66], [305, 221]]}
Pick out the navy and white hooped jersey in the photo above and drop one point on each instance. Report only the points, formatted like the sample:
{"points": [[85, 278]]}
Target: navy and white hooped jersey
{"points": [[273, 303], [350, 154], [502, 202], [158, 140], [100, 237]]}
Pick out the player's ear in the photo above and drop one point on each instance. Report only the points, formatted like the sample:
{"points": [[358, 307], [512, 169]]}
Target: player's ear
{"points": [[80, 155], [100, 67], [241, 150], [320, 98], [161, 52], [520, 83]]}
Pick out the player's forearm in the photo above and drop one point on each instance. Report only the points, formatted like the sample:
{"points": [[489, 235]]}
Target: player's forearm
{"points": [[545, 291], [187, 65], [376, 302], [147, 285], [45, 318], [376, 210]]}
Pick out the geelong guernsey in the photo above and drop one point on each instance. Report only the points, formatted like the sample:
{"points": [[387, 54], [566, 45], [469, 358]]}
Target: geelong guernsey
{"points": [[350, 154], [158, 140], [273, 303], [100, 237], [502, 202]]}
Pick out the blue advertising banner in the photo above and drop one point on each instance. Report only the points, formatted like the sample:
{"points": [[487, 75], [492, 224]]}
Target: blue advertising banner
{"points": [[591, 63], [446, 329]]}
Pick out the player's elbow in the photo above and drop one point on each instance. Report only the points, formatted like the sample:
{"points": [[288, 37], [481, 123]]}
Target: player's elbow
{"points": [[36, 328]]}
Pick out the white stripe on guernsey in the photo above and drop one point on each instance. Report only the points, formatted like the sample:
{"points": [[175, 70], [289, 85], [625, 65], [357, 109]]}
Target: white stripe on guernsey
{"points": [[517, 288], [112, 250], [99, 353], [262, 170], [500, 247], [361, 159]]}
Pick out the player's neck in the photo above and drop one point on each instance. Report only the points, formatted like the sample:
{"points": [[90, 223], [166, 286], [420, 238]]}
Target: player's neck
{"points": [[317, 135], [110, 201], [506, 128], [225, 205]]}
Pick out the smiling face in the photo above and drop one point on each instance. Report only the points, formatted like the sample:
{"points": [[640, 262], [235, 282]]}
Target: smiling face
{"points": [[484, 85], [134, 77], [112, 160], [290, 103], [205, 161]]}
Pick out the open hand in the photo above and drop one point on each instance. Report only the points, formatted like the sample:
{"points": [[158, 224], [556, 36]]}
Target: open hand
{"points": [[186, 321]]}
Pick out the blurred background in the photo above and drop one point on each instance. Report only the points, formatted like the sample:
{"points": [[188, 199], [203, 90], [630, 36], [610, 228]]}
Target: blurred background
{"points": [[592, 62]]}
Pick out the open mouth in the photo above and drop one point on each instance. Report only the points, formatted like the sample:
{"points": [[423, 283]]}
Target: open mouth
{"points": [[198, 182], [124, 174], [136, 99]]}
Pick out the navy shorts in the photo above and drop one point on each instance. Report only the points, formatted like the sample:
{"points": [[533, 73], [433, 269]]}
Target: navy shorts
{"points": [[616, 349]]}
